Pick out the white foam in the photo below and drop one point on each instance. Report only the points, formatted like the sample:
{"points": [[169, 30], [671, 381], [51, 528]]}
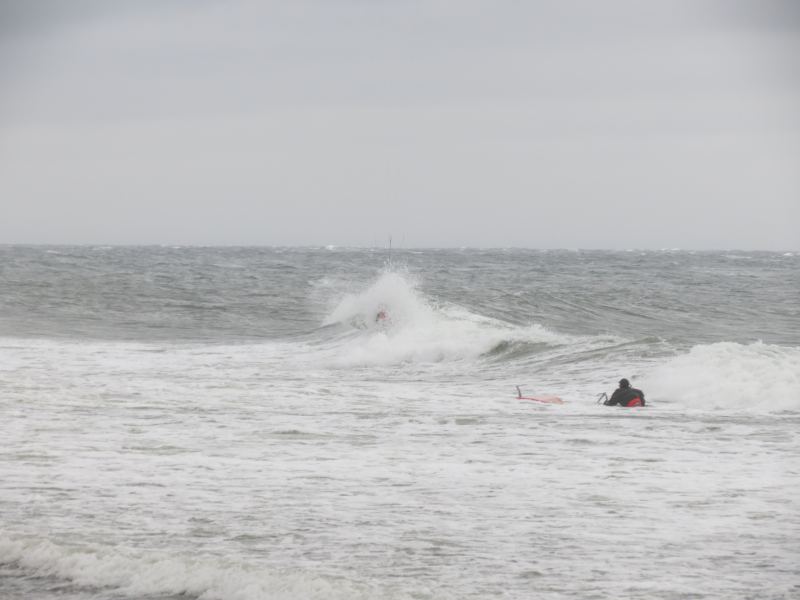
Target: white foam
{"points": [[418, 330], [393, 291], [134, 573], [348, 480], [729, 375]]}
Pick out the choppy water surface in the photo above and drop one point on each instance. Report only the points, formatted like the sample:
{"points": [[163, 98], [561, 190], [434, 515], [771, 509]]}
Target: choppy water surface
{"points": [[235, 424]]}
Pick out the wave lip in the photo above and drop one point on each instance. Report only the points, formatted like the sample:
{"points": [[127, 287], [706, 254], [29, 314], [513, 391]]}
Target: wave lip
{"points": [[733, 376]]}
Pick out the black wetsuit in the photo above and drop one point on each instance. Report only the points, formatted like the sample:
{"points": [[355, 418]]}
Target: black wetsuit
{"points": [[624, 396]]}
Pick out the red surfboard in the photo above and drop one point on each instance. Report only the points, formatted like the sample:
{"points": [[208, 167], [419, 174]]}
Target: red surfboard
{"points": [[544, 399]]}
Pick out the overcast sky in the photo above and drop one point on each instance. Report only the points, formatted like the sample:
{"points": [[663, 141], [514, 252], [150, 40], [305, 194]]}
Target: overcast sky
{"points": [[614, 124]]}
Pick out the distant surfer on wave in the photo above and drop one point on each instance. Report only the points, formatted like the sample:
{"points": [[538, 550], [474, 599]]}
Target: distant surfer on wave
{"points": [[625, 395], [382, 319]]}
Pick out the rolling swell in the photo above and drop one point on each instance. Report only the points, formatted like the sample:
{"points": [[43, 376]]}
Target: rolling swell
{"points": [[245, 294], [509, 350]]}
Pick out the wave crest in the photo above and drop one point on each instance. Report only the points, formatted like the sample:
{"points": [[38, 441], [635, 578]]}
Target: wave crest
{"points": [[416, 329]]}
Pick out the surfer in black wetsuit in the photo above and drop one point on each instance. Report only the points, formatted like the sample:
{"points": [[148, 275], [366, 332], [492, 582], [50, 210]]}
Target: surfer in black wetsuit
{"points": [[625, 395]]}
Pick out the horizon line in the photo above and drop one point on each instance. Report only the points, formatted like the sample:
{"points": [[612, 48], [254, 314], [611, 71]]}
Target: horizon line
{"points": [[331, 247]]}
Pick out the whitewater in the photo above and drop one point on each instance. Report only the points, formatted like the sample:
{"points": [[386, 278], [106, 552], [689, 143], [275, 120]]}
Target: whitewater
{"points": [[243, 423]]}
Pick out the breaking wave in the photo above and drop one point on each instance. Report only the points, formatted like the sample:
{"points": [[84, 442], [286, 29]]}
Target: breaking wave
{"points": [[392, 322], [728, 375]]}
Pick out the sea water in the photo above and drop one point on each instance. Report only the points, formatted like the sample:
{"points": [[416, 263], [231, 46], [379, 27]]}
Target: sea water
{"points": [[236, 424]]}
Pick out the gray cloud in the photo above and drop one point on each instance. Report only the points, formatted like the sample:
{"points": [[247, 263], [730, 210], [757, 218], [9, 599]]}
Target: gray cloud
{"points": [[473, 123]]}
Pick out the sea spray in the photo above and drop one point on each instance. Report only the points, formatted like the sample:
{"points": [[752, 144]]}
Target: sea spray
{"points": [[394, 323]]}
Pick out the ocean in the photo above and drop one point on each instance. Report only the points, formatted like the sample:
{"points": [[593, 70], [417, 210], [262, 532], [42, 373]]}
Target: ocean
{"points": [[236, 424]]}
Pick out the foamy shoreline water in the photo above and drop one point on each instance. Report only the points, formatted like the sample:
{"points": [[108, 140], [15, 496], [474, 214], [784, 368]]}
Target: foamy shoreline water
{"points": [[342, 457]]}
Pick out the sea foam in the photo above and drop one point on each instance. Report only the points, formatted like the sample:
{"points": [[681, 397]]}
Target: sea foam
{"points": [[728, 375], [135, 573]]}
